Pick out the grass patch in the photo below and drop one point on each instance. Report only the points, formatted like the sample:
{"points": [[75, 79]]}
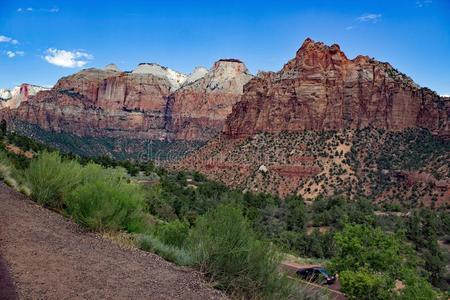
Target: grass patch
{"points": [[172, 253]]}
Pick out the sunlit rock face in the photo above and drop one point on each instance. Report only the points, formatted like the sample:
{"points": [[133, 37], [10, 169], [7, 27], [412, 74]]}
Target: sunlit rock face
{"points": [[13, 98], [197, 111], [321, 89], [151, 102]]}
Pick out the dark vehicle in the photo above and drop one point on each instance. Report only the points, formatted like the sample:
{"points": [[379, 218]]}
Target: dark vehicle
{"points": [[316, 274]]}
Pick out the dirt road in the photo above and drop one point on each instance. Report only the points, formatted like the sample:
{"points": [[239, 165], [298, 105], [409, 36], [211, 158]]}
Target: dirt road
{"points": [[49, 257]]}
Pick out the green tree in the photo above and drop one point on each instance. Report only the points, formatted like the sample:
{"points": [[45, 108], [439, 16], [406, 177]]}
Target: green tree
{"points": [[361, 246], [296, 217], [365, 285], [3, 128]]}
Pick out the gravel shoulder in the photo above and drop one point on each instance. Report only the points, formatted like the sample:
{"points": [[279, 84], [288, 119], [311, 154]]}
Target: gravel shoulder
{"points": [[50, 257]]}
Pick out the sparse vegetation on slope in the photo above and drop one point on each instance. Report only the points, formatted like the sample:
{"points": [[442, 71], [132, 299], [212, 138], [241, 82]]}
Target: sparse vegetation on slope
{"points": [[193, 221]]}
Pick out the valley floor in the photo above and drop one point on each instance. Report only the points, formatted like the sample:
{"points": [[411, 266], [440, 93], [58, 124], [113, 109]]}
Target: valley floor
{"points": [[49, 257]]}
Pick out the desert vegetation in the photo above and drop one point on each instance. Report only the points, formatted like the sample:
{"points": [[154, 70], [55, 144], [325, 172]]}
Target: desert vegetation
{"points": [[238, 239]]}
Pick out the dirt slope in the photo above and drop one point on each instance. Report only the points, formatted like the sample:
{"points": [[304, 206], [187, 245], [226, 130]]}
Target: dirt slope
{"points": [[50, 257]]}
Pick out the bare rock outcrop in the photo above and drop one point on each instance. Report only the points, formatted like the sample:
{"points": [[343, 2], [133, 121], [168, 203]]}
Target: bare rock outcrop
{"points": [[321, 89], [145, 103], [197, 111]]}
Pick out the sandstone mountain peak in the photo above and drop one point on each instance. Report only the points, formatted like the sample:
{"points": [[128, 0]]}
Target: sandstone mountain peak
{"points": [[111, 67], [321, 89], [175, 78], [206, 102], [198, 73], [228, 68], [13, 98], [5, 94]]}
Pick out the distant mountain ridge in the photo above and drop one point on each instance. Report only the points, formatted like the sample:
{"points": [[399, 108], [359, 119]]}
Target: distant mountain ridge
{"points": [[13, 98], [140, 104]]}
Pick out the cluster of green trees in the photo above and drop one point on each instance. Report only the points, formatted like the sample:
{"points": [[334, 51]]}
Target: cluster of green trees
{"points": [[293, 226]]}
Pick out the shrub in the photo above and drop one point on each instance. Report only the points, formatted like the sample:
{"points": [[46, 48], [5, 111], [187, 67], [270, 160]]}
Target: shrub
{"points": [[223, 245], [51, 179], [173, 233], [105, 200], [171, 253], [365, 285], [361, 246], [416, 287]]}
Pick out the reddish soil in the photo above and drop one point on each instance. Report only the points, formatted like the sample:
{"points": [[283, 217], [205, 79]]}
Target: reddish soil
{"points": [[50, 257], [7, 288]]}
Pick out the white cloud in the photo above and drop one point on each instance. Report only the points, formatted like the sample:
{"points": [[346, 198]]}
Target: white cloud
{"points": [[6, 39], [67, 59], [349, 28], [12, 54], [30, 9], [374, 18], [422, 3], [52, 10], [448, 96]]}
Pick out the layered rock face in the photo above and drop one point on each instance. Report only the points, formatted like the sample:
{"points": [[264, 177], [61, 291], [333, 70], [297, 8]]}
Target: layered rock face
{"points": [[145, 103], [199, 108], [13, 98], [97, 102], [321, 89]]}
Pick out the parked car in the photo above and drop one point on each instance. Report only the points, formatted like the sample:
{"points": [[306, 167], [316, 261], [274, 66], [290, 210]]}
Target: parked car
{"points": [[316, 274]]}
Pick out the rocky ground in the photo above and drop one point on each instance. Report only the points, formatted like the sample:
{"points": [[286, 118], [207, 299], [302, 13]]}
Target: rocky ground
{"points": [[409, 168], [49, 257]]}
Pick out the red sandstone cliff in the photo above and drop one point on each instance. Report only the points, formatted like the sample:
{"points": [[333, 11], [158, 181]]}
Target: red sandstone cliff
{"points": [[99, 103], [198, 110], [138, 104], [321, 89]]}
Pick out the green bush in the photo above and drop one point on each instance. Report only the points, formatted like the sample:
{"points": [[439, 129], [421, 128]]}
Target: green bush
{"points": [[173, 233], [416, 287], [172, 253], [365, 285], [51, 179], [105, 200], [224, 246], [361, 246]]}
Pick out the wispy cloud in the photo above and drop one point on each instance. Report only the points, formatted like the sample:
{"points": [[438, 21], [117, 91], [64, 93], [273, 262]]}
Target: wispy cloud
{"points": [[31, 9], [422, 3], [12, 54], [26, 9], [373, 18], [67, 59], [349, 28], [6, 39], [50, 10]]}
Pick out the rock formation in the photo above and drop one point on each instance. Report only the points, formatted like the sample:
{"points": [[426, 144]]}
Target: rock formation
{"points": [[321, 89], [175, 78], [13, 98], [111, 67], [145, 103], [325, 124], [199, 108]]}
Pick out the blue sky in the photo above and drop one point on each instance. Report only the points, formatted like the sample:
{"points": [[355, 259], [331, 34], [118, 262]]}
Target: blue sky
{"points": [[41, 41]]}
